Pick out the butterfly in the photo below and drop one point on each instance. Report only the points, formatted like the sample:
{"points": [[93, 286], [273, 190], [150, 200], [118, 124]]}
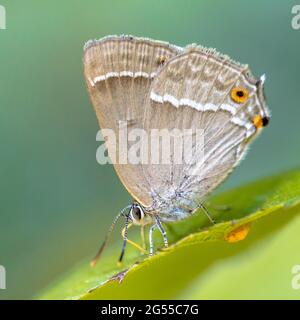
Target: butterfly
{"points": [[149, 84]]}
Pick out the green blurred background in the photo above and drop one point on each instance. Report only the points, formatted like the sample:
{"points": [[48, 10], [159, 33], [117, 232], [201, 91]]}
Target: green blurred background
{"points": [[55, 200]]}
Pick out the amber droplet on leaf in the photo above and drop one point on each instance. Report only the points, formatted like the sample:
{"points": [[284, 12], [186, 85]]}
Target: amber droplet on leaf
{"points": [[238, 234]]}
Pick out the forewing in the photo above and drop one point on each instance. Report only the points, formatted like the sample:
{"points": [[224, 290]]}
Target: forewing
{"points": [[118, 73]]}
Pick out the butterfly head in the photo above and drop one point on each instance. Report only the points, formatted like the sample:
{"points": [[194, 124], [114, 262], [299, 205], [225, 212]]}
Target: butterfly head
{"points": [[138, 215]]}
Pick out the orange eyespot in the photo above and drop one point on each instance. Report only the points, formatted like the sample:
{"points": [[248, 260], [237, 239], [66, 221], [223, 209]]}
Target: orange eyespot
{"points": [[239, 95], [161, 60], [260, 121], [238, 234], [257, 121]]}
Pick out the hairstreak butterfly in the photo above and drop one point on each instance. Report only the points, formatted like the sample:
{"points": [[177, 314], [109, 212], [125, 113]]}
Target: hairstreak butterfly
{"points": [[153, 85]]}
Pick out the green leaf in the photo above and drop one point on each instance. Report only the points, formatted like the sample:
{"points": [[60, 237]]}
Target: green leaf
{"points": [[199, 263]]}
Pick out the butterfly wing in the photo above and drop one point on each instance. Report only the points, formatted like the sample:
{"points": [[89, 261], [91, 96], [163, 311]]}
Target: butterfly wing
{"points": [[194, 90], [118, 73]]}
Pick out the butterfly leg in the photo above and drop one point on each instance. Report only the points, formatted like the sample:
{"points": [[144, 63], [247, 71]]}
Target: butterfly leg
{"points": [[162, 231], [200, 205], [207, 213], [143, 250], [152, 228]]}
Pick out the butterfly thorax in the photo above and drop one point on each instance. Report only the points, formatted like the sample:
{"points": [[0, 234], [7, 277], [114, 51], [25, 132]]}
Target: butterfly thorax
{"points": [[177, 207]]}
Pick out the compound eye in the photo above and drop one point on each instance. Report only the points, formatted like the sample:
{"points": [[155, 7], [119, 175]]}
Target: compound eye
{"points": [[239, 95], [137, 214]]}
